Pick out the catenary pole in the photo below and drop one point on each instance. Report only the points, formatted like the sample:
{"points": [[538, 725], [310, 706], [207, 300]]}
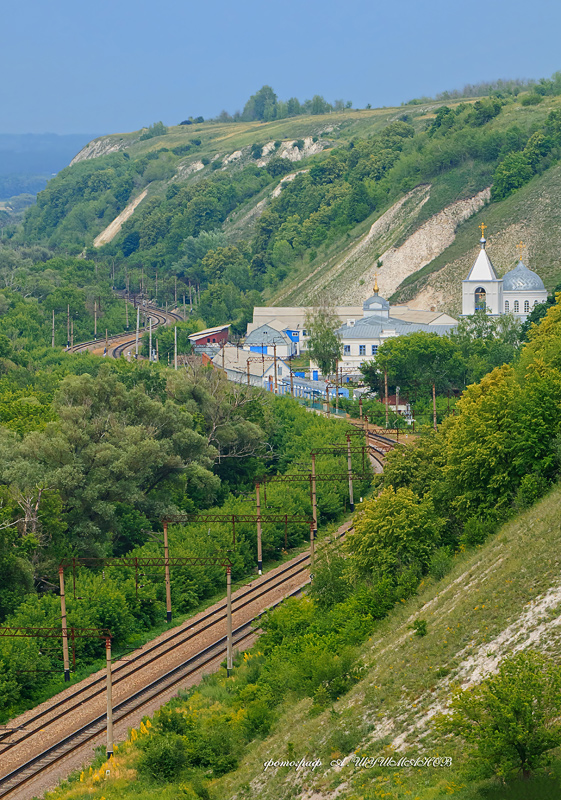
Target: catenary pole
{"points": [[175, 347], [150, 339], [137, 330], [65, 658], [259, 552], [228, 620], [350, 467], [387, 401], [168, 582], [109, 698]]}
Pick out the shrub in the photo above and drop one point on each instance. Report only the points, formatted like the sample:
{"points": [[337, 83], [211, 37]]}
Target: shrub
{"points": [[510, 722], [163, 756], [531, 488], [531, 99], [440, 563]]}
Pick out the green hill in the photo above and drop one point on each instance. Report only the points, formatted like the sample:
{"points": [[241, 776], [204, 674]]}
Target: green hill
{"points": [[312, 205]]}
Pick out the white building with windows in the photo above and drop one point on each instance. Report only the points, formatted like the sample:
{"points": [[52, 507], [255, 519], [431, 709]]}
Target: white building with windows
{"points": [[516, 293], [360, 338]]}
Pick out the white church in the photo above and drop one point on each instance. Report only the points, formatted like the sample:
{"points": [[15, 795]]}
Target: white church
{"points": [[516, 293]]}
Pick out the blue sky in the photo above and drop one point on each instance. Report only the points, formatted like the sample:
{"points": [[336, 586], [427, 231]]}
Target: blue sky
{"points": [[116, 65]]}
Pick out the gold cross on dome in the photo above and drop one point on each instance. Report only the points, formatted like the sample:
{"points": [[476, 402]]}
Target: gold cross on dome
{"points": [[482, 227], [520, 247]]}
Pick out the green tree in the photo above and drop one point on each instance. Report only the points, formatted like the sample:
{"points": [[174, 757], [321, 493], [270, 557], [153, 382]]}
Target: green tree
{"points": [[261, 105], [510, 723], [394, 532], [324, 345]]}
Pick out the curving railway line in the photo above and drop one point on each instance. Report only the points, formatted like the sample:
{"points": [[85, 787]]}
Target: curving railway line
{"points": [[59, 735], [69, 723], [120, 342]]}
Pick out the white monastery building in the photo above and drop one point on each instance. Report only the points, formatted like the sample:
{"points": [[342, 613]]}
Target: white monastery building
{"points": [[516, 293], [364, 329]]}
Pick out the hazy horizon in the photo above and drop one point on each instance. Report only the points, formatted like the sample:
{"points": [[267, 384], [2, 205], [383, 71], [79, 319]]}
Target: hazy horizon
{"points": [[121, 65]]}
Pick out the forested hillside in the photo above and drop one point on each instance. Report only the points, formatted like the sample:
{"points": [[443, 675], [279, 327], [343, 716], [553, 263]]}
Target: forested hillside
{"points": [[261, 203]]}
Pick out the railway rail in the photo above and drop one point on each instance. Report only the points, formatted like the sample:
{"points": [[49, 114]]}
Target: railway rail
{"points": [[159, 317], [75, 701]]}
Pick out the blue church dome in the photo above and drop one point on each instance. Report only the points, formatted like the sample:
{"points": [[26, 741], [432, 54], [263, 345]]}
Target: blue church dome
{"points": [[522, 279]]}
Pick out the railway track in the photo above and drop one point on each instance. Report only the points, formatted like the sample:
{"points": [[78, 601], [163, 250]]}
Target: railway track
{"points": [[40, 758], [118, 343]]}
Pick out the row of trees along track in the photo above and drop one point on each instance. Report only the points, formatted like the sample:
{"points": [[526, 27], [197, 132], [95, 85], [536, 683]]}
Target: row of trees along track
{"points": [[48, 735]]}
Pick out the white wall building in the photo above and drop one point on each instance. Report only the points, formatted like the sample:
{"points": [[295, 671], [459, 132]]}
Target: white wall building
{"points": [[517, 292], [361, 338]]}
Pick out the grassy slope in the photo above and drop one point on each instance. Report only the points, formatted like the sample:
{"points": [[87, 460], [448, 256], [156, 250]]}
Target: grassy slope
{"points": [[479, 613], [332, 269], [489, 604], [532, 214]]}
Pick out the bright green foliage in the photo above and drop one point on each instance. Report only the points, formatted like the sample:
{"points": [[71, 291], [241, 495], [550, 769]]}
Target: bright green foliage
{"points": [[324, 346], [510, 722], [163, 756], [416, 362], [156, 129], [393, 533]]}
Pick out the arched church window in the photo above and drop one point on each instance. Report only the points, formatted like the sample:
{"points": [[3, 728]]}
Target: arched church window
{"points": [[480, 299], [516, 306], [526, 306], [507, 306], [536, 302]]}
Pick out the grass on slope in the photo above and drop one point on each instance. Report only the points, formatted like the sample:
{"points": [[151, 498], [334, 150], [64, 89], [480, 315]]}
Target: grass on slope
{"points": [[502, 596]]}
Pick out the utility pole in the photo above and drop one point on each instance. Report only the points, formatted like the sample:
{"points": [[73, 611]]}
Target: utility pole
{"points": [[327, 398], [248, 372], [275, 368], [167, 578], [314, 506], [109, 698], [68, 325], [184, 308], [137, 329], [228, 620], [72, 336], [386, 391], [106, 341], [175, 347], [397, 400], [95, 320], [360, 407], [53, 332], [259, 552], [150, 339], [291, 383], [127, 311], [350, 467], [157, 349], [336, 386], [65, 658]]}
